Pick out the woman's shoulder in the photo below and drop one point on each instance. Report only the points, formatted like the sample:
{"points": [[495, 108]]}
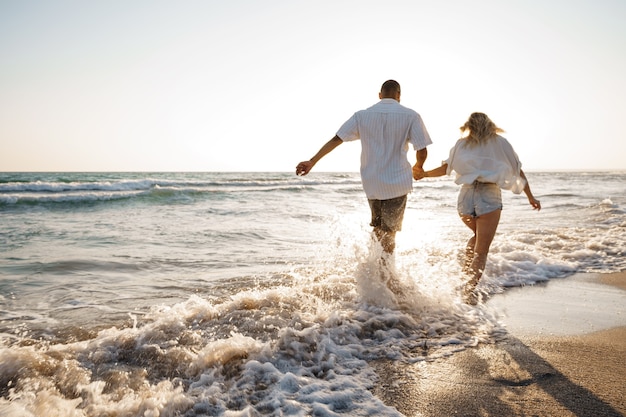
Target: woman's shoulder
{"points": [[460, 142], [503, 142], [501, 139]]}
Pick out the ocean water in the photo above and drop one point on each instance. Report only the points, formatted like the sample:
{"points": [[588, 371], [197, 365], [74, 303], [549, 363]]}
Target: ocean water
{"points": [[248, 294]]}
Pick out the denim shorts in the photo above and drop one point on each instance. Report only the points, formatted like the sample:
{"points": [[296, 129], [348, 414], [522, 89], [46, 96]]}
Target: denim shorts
{"points": [[479, 198], [387, 215]]}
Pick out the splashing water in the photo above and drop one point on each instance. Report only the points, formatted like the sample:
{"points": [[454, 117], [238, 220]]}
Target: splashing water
{"points": [[247, 294], [298, 348]]}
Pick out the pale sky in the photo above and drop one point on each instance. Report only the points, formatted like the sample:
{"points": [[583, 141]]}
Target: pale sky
{"points": [[242, 85]]}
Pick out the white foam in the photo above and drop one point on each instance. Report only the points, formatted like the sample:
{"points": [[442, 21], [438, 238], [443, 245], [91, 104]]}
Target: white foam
{"points": [[301, 343], [301, 349]]}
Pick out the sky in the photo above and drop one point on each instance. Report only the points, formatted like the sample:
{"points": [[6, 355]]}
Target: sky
{"points": [[250, 85]]}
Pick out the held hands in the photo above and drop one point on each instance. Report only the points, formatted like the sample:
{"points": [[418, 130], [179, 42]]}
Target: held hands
{"points": [[418, 173], [304, 167]]}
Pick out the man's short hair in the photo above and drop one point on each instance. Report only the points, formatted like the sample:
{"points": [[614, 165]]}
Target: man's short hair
{"points": [[390, 87]]}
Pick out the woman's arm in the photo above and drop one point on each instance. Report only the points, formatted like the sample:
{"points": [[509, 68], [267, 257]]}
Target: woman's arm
{"points": [[531, 199], [437, 172]]}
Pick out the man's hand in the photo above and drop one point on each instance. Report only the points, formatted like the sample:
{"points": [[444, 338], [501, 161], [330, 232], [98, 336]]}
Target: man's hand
{"points": [[418, 172], [304, 167]]}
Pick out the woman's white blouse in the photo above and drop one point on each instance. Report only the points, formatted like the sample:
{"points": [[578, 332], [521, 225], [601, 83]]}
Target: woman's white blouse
{"points": [[492, 161]]}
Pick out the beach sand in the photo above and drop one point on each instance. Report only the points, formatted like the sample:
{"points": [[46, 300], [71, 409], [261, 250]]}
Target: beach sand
{"points": [[569, 363]]}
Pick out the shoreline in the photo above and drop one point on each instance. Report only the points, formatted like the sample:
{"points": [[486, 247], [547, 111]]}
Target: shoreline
{"points": [[576, 305], [533, 370]]}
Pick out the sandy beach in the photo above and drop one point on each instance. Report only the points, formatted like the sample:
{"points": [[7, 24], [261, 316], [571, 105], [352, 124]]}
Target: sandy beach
{"points": [[568, 363]]}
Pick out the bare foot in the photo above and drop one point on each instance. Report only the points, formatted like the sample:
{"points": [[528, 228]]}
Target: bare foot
{"points": [[470, 295], [394, 285]]}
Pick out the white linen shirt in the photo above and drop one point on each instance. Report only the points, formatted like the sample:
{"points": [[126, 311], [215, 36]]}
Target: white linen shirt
{"points": [[385, 130], [491, 161]]}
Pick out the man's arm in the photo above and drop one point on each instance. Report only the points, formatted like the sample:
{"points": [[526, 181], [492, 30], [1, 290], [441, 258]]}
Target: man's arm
{"points": [[305, 167], [418, 168]]}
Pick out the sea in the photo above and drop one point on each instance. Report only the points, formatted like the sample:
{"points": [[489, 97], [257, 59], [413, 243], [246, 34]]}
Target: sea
{"points": [[259, 293]]}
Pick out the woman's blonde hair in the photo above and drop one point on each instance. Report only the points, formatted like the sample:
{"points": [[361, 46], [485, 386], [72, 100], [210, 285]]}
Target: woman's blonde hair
{"points": [[479, 128]]}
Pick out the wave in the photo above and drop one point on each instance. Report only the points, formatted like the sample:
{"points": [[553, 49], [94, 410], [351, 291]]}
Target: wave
{"points": [[64, 191], [61, 197], [301, 347]]}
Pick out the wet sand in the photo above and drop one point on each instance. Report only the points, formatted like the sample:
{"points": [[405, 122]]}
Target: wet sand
{"points": [[572, 363]]}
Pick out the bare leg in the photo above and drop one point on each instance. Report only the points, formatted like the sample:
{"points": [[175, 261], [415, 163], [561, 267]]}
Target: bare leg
{"points": [[469, 253], [386, 239], [388, 242], [484, 228]]}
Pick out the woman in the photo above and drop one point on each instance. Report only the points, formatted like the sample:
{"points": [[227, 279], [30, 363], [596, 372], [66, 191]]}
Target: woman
{"points": [[484, 163]]}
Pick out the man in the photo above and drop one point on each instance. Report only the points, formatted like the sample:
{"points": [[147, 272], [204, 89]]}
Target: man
{"points": [[385, 130]]}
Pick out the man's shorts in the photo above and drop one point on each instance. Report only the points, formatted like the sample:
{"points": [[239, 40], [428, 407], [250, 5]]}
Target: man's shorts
{"points": [[479, 198], [387, 215]]}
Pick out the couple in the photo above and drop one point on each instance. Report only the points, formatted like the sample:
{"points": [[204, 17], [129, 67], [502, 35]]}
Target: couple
{"points": [[483, 160]]}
